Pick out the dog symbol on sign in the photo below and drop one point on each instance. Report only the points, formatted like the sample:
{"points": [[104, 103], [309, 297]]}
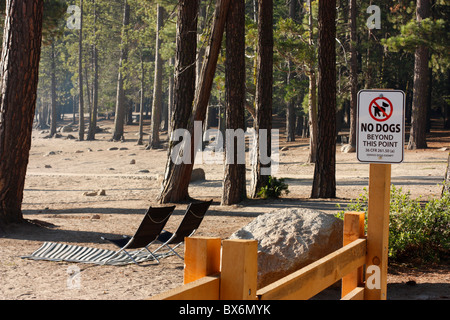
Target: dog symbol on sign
{"points": [[380, 111]]}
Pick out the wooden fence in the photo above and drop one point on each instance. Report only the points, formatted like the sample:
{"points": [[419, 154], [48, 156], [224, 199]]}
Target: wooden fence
{"points": [[227, 270]]}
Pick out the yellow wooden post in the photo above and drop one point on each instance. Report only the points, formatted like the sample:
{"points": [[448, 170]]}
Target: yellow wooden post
{"points": [[239, 270], [353, 230], [201, 257], [378, 231]]}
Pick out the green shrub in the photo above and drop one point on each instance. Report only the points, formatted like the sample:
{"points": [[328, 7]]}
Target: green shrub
{"points": [[274, 188], [416, 231]]}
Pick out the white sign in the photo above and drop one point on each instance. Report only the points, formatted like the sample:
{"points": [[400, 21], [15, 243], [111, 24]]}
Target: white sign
{"points": [[381, 125]]}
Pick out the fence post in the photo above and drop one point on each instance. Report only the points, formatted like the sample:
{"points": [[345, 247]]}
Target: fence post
{"points": [[201, 257], [378, 231], [239, 272], [353, 230]]}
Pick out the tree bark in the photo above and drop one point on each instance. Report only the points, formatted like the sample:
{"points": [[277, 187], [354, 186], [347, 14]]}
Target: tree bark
{"points": [[141, 104], [290, 110], [177, 176], [184, 91], [93, 115], [324, 184], [263, 98], [417, 137], [53, 90], [119, 118], [154, 142], [353, 74], [19, 71], [312, 99], [80, 78], [234, 188]]}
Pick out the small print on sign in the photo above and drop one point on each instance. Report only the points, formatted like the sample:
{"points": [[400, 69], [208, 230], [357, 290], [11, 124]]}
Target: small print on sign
{"points": [[381, 122]]}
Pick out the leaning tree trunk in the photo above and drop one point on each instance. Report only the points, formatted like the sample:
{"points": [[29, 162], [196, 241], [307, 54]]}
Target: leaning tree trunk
{"points": [[19, 78], [324, 184], [184, 91], [263, 98], [234, 189], [417, 137], [177, 176]]}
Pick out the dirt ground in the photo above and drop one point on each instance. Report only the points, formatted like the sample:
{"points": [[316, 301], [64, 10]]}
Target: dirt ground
{"points": [[61, 171]]}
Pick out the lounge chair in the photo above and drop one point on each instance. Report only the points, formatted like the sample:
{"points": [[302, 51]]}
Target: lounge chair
{"points": [[188, 226], [150, 228]]}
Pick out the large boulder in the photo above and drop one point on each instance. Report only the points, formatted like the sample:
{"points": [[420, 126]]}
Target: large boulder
{"points": [[291, 238]]}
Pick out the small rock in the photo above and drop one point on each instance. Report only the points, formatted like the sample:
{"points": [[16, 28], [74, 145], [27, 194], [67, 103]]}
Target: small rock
{"points": [[51, 153], [70, 137], [95, 217], [89, 150], [90, 194], [111, 169], [348, 148], [101, 192], [133, 161], [123, 148], [198, 174], [79, 151], [47, 166], [113, 148], [143, 171]]}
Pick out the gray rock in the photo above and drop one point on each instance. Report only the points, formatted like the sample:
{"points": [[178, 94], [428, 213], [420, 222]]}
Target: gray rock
{"points": [[291, 238], [198, 174]]}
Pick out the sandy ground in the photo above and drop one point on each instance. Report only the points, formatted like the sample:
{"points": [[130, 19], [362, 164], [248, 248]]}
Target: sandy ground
{"points": [[60, 171]]}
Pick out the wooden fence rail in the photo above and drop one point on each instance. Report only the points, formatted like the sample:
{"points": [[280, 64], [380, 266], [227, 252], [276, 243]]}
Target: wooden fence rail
{"points": [[234, 276]]}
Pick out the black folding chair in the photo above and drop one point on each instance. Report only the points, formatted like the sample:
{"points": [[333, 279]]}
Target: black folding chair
{"points": [[194, 215], [150, 228]]}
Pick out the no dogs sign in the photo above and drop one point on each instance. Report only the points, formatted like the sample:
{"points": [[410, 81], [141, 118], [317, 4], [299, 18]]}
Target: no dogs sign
{"points": [[380, 127]]}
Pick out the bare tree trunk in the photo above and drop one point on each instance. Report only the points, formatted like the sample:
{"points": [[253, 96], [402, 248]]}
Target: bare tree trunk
{"points": [[184, 91], [264, 82], [234, 189], [141, 107], [19, 70], [417, 137], [290, 110], [80, 79], [446, 186], [53, 90], [353, 74], [312, 97], [93, 115], [154, 142], [120, 99], [324, 184]]}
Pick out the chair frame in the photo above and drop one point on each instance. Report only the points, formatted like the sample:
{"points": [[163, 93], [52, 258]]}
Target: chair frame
{"points": [[174, 235], [131, 239]]}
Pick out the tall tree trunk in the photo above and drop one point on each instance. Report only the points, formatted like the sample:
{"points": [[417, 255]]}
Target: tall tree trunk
{"points": [[417, 137], [119, 119], [154, 142], [53, 90], [177, 176], [170, 98], [80, 78], [234, 189], [290, 110], [141, 104], [353, 74], [263, 98], [446, 186], [324, 184], [93, 116], [19, 70], [312, 96]]}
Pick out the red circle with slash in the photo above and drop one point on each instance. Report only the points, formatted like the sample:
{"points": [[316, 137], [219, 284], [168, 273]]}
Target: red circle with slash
{"points": [[378, 109]]}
